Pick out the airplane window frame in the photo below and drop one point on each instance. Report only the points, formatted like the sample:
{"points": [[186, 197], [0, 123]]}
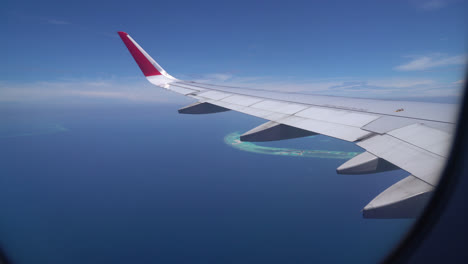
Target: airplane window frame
{"points": [[424, 226]]}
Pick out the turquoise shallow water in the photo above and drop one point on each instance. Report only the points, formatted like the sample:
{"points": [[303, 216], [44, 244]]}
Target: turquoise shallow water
{"points": [[233, 140]]}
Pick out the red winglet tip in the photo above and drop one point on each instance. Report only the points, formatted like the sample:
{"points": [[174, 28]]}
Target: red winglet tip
{"points": [[145, 65]]}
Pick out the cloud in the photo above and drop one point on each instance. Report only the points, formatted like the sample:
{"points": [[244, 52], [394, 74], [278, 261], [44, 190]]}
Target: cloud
{"points": [[432, 61], [401, 82], [398, 89], [137, 90], [349, 85], [84, 90]]}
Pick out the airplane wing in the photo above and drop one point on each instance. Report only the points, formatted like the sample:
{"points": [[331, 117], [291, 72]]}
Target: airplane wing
{"points": [[413, 136]]}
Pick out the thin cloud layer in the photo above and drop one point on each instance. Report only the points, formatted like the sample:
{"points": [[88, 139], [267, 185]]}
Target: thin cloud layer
{"points": [[140, 91], [432, 61], [81, 91]]}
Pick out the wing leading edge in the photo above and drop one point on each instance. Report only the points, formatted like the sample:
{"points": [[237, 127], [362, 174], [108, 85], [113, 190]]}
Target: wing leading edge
{"points": [[412, 136]]}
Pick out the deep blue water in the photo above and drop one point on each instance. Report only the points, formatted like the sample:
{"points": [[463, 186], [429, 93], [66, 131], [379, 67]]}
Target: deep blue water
{"points": [[144, 184]]}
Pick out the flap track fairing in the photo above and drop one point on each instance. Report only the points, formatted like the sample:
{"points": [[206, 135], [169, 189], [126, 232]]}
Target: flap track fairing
{"points": [[271, 131]]}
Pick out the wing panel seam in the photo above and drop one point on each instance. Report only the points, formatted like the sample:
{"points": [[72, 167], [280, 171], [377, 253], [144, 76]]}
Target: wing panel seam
{"points": [[328, 107]]}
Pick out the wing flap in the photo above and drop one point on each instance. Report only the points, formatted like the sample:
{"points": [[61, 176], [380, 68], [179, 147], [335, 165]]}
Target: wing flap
{"points": [[242, 100], [385, 124], [430, 139], [280, 107], [335, 130], [339, 131], [213, 95], [421, 163], [343, 117]]}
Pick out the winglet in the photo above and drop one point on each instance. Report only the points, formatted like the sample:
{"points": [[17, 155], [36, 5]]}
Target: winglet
{"points": [[148, 66]]}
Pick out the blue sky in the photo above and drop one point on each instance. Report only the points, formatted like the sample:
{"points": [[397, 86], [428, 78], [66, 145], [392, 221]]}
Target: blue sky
{"points": [[390, 49]]}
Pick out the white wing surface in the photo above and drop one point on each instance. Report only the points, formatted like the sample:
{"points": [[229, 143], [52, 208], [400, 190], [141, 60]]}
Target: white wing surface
{"points": [[413, 136]]}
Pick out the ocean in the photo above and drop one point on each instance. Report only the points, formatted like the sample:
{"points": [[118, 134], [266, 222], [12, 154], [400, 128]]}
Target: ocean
{"points": [[140, 183]]}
